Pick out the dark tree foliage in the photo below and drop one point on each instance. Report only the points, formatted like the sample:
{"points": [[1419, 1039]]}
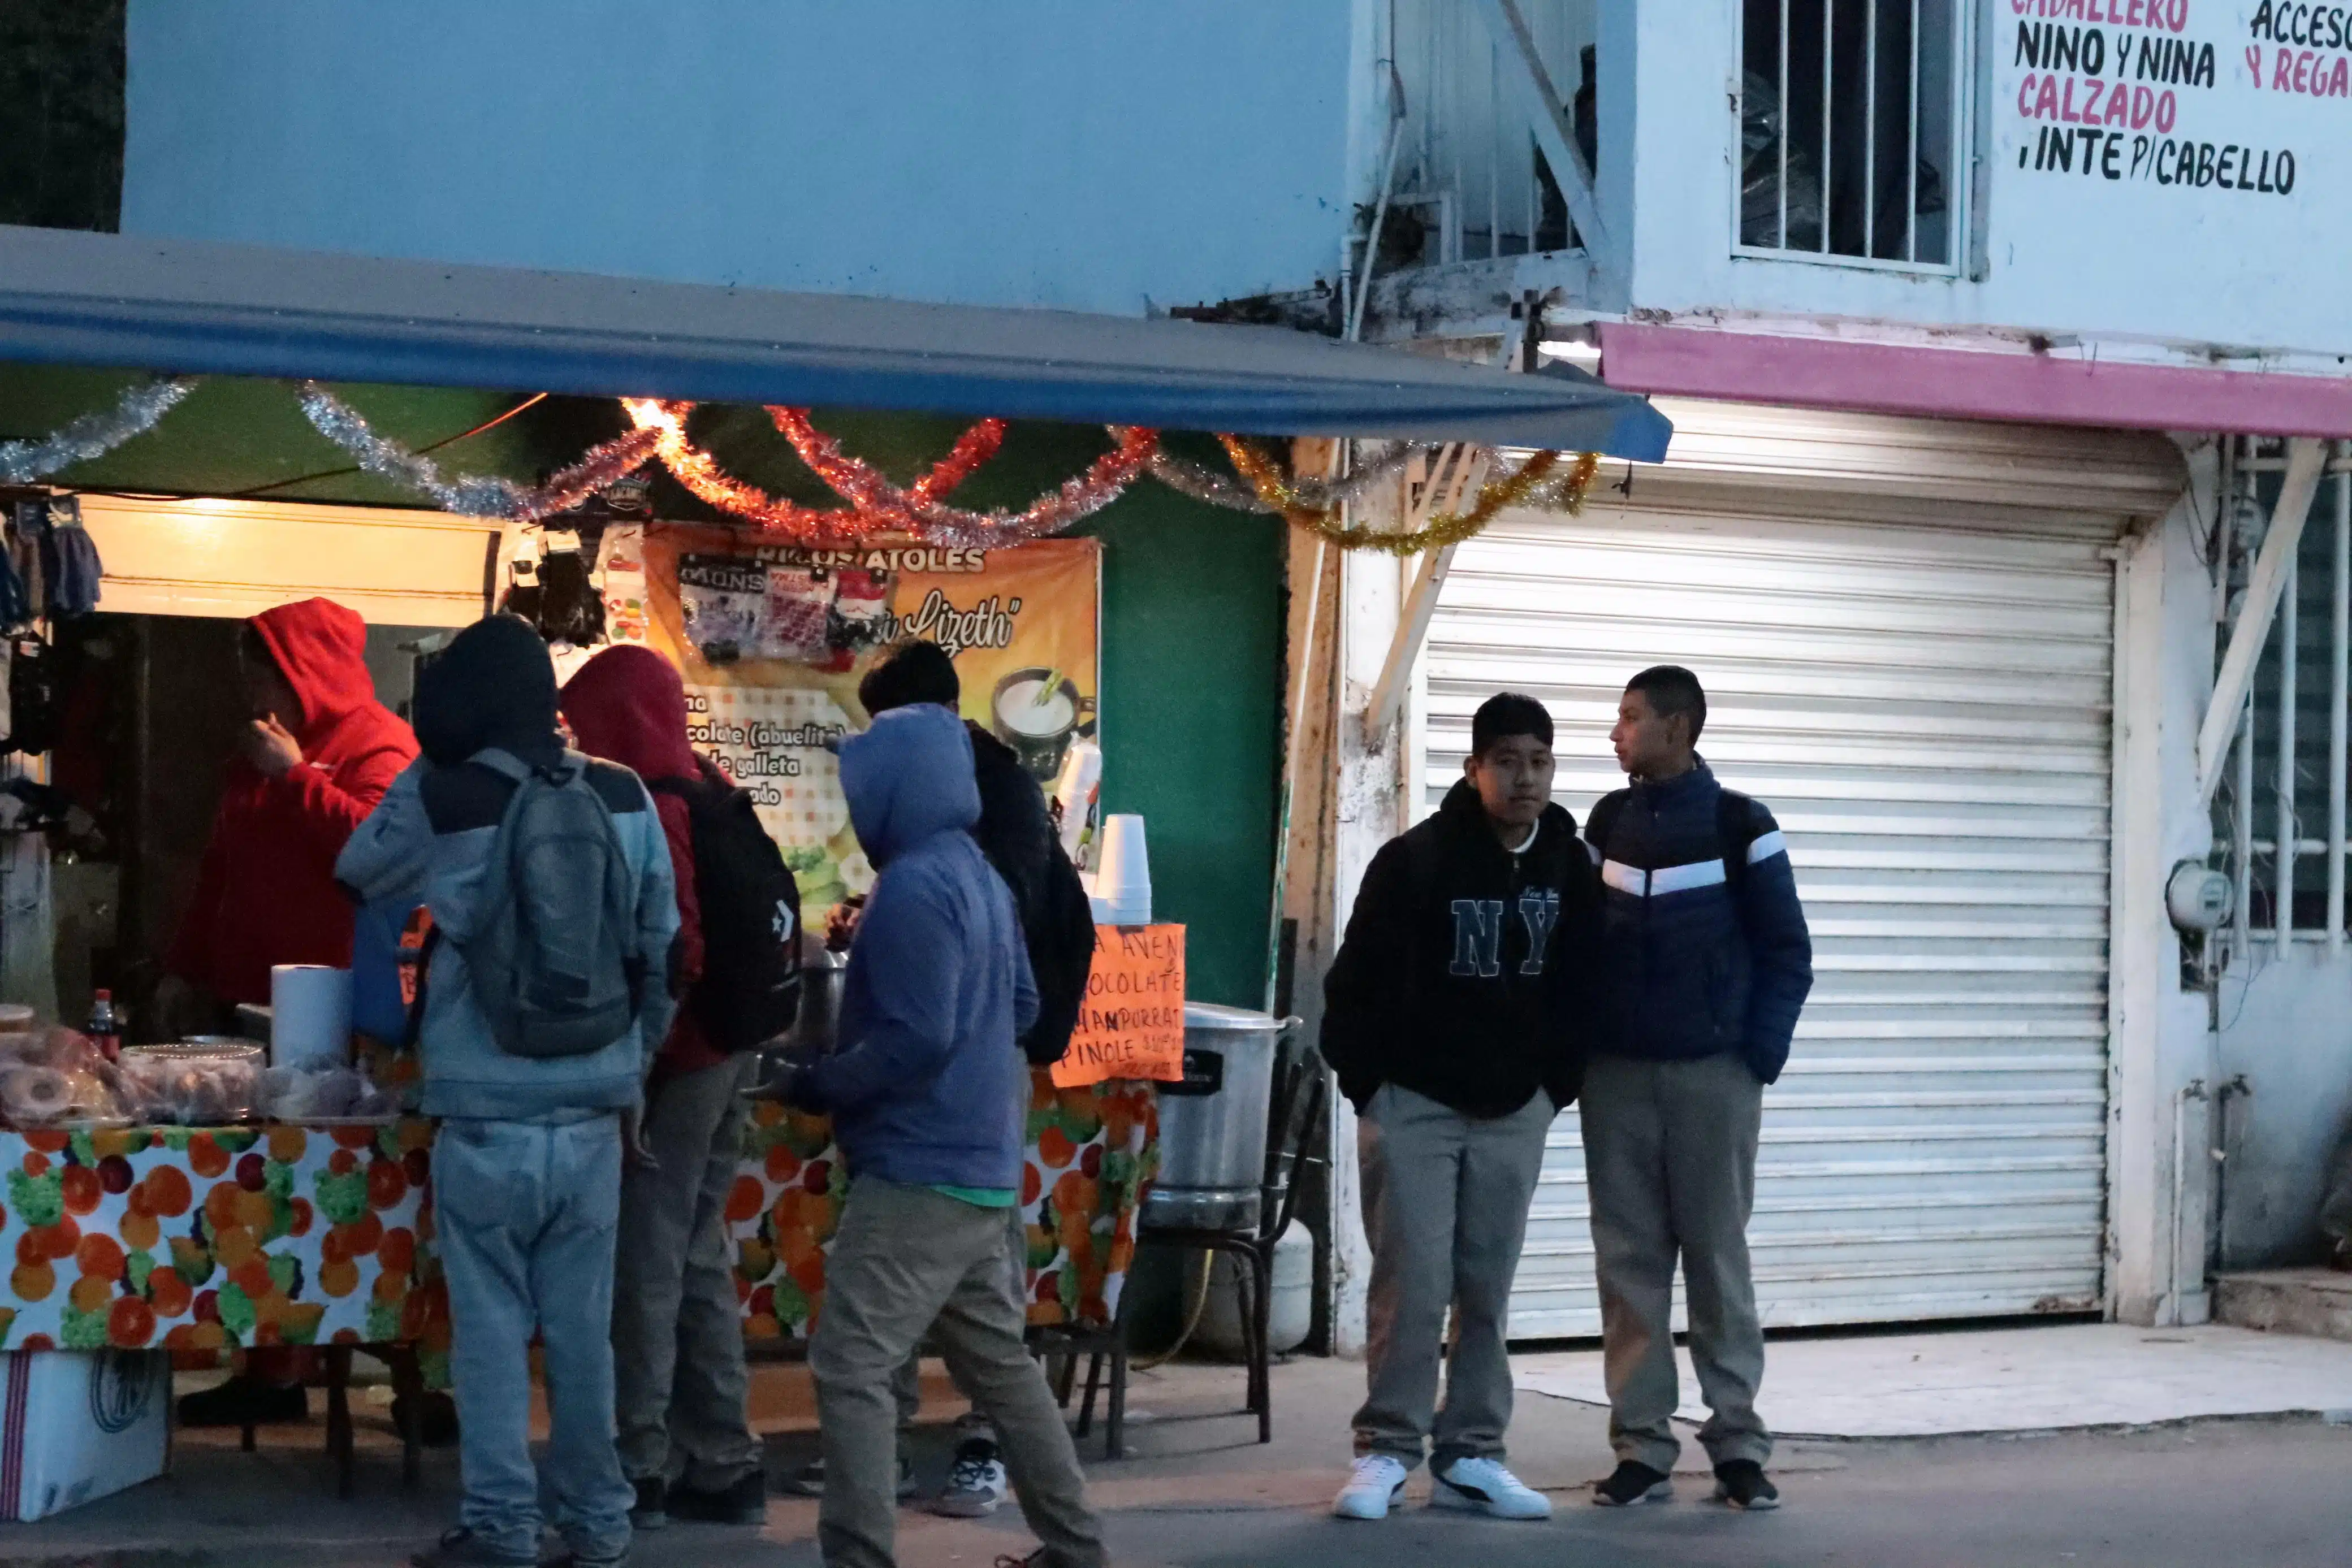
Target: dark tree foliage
{"points": [[61, 113]]}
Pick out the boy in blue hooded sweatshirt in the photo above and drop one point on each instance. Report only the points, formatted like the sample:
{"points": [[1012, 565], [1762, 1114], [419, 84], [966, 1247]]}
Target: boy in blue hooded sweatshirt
{"points": [[923, 1093]]}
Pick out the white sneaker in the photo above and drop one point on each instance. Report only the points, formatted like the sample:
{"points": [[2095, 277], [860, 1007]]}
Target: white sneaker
{"points": [[976, 1482], [1484, 1486], [1374, 1484]]}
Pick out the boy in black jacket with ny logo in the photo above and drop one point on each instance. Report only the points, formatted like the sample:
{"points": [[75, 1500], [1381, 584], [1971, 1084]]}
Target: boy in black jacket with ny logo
{"points": [[1452, 1017]]}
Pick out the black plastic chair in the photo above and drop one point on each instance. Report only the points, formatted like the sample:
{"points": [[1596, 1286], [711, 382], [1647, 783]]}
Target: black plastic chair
{"points": [[1294, 1109]]}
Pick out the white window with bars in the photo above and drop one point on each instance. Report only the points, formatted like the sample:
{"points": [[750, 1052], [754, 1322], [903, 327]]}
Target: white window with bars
{"points": [[2279, 812], [1854, 132]]}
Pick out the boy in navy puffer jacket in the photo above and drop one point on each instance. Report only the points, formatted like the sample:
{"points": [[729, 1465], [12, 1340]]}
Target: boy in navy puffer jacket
{"points": [[1706, 964]]}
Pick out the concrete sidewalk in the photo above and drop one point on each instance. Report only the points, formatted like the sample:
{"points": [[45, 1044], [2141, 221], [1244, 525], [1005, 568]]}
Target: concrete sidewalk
{"points": [[1196, 1490], [2044, 1378]]}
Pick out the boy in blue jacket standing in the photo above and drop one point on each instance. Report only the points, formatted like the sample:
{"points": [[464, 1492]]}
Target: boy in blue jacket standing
{"points": [[1706, 964], [922, 1093]]}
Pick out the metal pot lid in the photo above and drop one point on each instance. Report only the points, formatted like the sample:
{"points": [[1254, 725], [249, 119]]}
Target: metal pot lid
{"points": [[1211, 1015]]}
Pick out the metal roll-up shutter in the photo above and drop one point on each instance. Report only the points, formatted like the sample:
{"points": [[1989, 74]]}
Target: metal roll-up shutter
{"points": [[1926, 707]]}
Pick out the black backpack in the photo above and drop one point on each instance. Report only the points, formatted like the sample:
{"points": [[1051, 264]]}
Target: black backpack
{"points": [[750, 987]]}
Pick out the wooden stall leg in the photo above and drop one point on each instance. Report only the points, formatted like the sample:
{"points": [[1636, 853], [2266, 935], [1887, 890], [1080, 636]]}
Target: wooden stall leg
{"points": [[339, 1418], [1094, 1384], [1115, 1428], [408, 1388]]}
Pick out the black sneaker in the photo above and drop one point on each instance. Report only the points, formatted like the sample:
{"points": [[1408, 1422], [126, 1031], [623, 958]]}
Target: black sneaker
{"points": [[1743, 1484], [809, 1480], [1632, 1482], [464, 1549], [651, 1510], [245, 1399], [436, 1415], [744, 1502]]}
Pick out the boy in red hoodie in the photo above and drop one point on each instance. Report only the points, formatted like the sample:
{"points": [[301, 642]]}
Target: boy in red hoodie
{"points": [[316, 755], [679, 1376]]}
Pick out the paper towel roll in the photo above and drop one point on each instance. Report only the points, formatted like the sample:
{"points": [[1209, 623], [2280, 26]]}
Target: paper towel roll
{"points": [[1074, 794], [310, 1015]]}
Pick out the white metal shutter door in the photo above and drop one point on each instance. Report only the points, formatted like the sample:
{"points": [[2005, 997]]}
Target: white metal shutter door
{"points": [[1927, 714]]}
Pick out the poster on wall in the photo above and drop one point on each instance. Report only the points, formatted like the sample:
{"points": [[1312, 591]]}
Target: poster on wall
{"points": [[773, 638]]}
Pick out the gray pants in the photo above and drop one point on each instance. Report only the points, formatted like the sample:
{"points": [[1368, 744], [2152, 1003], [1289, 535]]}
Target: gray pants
{"points": [[1446, 1206], [524, 1213], [906, 1261], [677, 1337], [1669, 1162], [907, 1383]]}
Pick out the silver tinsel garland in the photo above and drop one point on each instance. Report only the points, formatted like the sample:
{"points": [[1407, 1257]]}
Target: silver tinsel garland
{"points": [[470, 494], [92, 436], [1205, 484]]}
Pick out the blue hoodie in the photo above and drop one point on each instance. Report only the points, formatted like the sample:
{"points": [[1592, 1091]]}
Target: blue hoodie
{"points": [[926, 1088]]}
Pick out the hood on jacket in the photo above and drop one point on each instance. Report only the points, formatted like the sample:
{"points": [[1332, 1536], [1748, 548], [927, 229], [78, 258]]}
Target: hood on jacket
{"points": [[627, 704], [1464, 812], [494, 685], [320, 647], [907, 777]]}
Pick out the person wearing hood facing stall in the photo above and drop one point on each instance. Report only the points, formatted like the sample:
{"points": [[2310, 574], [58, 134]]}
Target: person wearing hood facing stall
{"points": [[922, 1094], [316, 753], [527, 1162], [678, 1336]]}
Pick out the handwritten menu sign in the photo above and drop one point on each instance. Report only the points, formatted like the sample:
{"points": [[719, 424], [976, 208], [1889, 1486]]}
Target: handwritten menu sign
{"points": [[1132, 1024]]}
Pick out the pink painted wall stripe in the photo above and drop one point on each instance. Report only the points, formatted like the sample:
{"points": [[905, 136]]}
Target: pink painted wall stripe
{"points": [[1959, 383]]}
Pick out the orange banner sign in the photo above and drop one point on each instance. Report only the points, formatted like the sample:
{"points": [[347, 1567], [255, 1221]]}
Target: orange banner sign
{"points": [[1133, 1022]]}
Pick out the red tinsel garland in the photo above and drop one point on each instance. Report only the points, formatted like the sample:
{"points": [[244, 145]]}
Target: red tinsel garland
{"points": [[877, 506], [918, 513]]}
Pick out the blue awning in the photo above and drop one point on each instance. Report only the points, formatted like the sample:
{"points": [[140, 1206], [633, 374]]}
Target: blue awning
{"points": [[195, 307]]}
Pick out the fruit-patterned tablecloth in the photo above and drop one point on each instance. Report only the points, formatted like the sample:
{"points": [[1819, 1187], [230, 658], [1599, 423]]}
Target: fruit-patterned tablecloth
{"points": [[207, 1240], [202, 1241], [1091, 1151]]}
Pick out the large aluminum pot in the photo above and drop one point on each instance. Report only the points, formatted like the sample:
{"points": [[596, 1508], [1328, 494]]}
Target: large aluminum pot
{"points": [[814, 1029], [1212, 1124]]}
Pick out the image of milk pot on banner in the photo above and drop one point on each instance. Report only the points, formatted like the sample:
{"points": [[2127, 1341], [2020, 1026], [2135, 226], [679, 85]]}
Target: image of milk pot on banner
{"points": [[1037, 712]]}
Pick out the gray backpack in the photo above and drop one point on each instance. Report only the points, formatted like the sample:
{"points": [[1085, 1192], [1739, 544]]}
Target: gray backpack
{"points": [[553, 952]]}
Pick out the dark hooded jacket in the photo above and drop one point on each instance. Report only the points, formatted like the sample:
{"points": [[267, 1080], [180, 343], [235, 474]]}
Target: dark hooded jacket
{"points": [[1465, 974], [1058, 920], [627, 704], [266, 890], [926, 1088], [433, 840]]}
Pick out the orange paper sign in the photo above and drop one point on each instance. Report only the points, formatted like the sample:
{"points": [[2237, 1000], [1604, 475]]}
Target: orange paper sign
{"points": [[1132, 1024]]}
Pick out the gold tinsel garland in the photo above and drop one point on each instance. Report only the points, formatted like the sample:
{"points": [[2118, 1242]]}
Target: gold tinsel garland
{"points": [[1538, 482]]}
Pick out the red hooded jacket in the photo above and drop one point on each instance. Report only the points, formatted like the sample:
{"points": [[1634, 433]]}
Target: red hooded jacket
{"points": [[265, 893], [627, 706]]}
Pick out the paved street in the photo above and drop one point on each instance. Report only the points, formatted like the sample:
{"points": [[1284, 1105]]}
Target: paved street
{"points": [[1195, 1492]]}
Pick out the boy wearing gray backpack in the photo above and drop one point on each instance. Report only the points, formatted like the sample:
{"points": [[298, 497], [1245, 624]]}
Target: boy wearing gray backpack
{"points": [[545, 989]]}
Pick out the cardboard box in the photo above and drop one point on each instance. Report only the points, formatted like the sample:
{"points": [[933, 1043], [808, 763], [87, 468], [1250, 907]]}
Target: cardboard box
{"points": [[78, 1424]]}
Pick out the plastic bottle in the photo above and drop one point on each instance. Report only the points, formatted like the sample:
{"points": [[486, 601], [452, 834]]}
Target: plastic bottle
{"points": [[105, 1030]]}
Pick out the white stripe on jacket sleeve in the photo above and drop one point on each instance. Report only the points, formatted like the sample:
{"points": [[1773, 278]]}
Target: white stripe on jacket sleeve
{"points": [[1683, 878], [1766, 845], [1624, 878]]}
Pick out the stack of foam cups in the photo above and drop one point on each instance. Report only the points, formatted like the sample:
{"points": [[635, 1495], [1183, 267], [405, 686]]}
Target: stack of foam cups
{"points": [[1122, 889]]}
